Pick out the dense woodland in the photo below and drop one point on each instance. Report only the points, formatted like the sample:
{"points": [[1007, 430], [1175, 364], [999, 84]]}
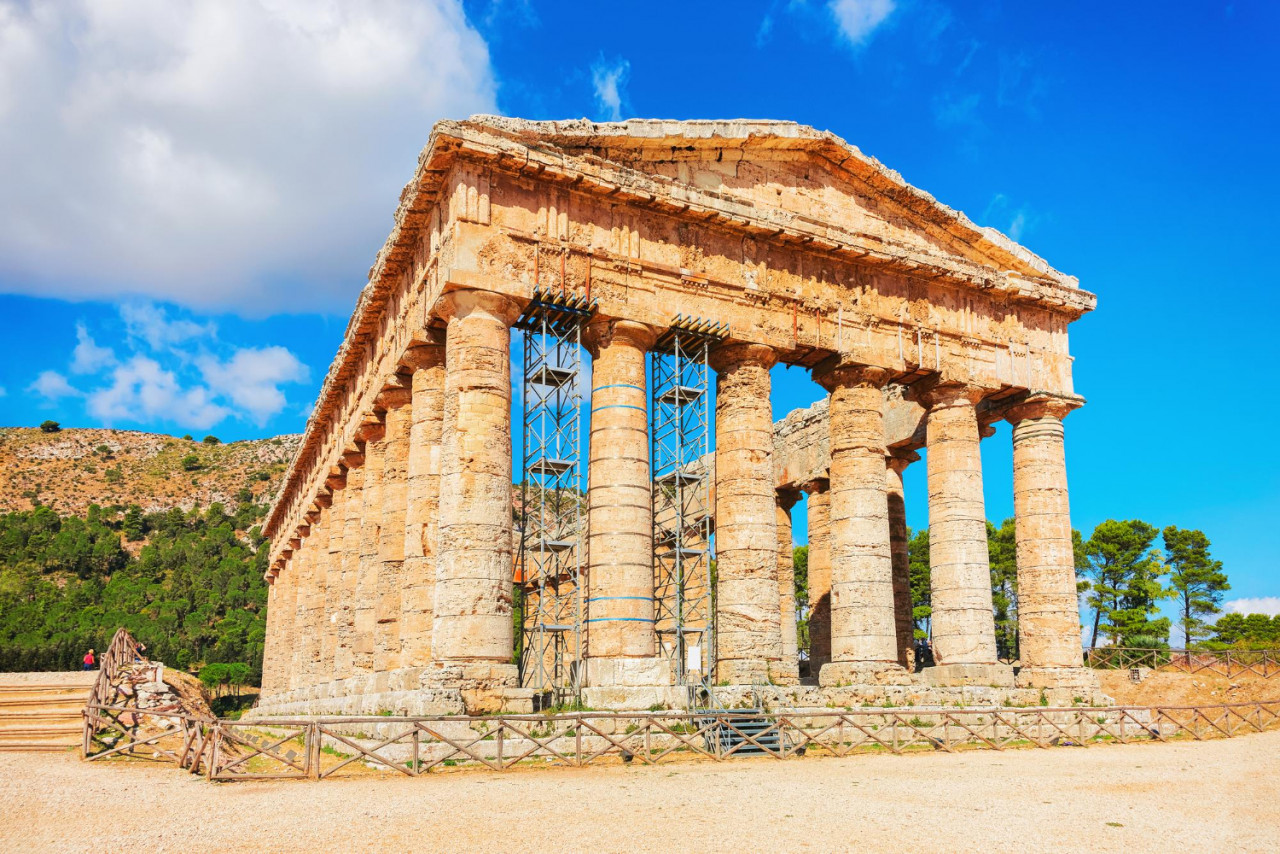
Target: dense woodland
{"points": [[193, 592]]}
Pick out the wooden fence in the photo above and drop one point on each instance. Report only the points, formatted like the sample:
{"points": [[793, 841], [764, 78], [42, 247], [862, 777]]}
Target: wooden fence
{"points": [[324, 747], [1229, 662]]}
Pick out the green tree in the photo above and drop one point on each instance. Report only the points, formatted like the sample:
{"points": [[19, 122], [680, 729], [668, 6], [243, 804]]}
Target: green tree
{"points": [[1002, 547], [800, 562], [134, 527], [1124, 582], [1196, 580], [921, 590], [212, 440], [191, 463], [50, 426]]}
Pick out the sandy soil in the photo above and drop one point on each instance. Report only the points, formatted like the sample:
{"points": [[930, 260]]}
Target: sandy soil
{"points": [[1208, 796], [1171, 688]]}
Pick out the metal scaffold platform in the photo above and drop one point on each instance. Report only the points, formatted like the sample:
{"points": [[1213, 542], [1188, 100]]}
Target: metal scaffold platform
{"points": [[684, 593], [550, 571]]}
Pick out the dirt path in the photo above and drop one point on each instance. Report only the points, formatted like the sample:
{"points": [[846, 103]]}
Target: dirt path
{"points": [[1208, 796]]}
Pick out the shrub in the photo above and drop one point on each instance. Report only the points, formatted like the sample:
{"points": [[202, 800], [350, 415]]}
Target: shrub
{"points": [[212, 440], [190, 463], [188, 438], [50, 426], [113, 475]]}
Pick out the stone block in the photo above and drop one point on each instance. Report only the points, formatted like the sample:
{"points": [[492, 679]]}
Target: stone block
{"points": [[999, 675]]}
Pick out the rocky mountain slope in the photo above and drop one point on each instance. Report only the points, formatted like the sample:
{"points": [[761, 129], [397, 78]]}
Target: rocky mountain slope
{"points": [[70, 469]]}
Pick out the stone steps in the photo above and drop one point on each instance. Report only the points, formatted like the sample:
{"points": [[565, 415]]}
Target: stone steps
{"points": [[42, 711]]}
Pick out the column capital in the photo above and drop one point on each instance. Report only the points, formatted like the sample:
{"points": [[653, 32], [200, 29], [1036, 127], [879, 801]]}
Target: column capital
{"points": [[935, 393], [471, 301], [1043, 405], [787, 496], [427, 355], [371, 429], [603, 333], [394, 397], [898, 459], [838, 372], [352, 458], [735, 353], [817, 485]]}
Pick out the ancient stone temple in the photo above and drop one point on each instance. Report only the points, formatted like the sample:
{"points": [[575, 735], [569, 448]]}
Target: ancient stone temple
{"points": [[543, 466]]}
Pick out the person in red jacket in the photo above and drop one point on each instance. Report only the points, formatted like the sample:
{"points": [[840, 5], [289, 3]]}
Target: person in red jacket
{"points": [[88, 660]]}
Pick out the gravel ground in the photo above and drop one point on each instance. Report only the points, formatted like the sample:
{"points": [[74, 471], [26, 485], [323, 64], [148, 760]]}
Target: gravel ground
{"points": [[1208, 796]]}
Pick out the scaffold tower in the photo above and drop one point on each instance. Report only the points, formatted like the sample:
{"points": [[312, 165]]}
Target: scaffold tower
{"points": [[684, 595], [551, 559]]}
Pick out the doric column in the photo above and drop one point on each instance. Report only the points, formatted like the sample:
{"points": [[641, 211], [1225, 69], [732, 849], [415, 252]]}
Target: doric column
{"points": [[365, 604], [963, 625], [349, 569], [395, 499], [337, 524], [904, 623], [789, 670], [863, 639], [272, 642], [620, 610], [1048, 609], [417, 608], [819, 574], [286, 588], [473, 625], [314, 632], [748, 627], [305, 560]]}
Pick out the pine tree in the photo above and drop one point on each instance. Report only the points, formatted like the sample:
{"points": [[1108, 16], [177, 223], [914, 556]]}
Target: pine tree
{"points": [[1002, 546], [1196, 580], [921, 592], [1124, 583]]}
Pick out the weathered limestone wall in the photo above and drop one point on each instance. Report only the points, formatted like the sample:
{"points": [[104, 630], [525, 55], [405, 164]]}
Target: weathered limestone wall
{"points": [[391, 529], [349, 571]]}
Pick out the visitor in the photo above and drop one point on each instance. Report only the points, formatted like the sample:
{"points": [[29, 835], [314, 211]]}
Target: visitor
{"points": [[139, 654], [88, 660]]}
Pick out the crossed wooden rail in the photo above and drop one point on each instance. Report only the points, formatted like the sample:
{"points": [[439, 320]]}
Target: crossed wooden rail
{"points": [[1229, 662], [324, 747]]}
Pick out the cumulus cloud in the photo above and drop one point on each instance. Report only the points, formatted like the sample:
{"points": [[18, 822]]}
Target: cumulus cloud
{"points": [[175, 370], [858, 19], [252, 377], [205, 152], [88, 357], [142, 390], [52, 386], [610, 82], [150, 323], [1269, 605]]}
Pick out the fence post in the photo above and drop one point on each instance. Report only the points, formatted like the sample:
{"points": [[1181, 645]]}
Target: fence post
{"points": [[313, 751]]}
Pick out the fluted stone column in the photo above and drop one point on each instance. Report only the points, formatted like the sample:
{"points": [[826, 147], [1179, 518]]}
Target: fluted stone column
{"points": [[863, 638], [286, 603], [748, 626], [789, 670], [302, 559], [473, 632], [314, 639], [272, 642], [349, 569], [621, 646], [1048, 610], [819, 574], [365, 605], [337, 523], [904, 624], [395, 499], [417, 606], [964, 640]]}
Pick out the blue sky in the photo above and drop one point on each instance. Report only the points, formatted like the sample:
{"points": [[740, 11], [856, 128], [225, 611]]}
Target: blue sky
{"points": [[194, 192]]}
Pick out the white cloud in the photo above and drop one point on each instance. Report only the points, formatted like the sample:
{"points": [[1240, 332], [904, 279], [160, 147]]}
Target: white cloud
{"points": [[1014, 222], [2, 391], [52, 386], [150, 323], [200, 151], [142, 390], [1269, 605], [610, 82], [252, 377], [88, 357], [858, 19]]}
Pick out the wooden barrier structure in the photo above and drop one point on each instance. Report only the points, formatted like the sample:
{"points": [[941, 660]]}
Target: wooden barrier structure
{"points": [[1227, 662]]}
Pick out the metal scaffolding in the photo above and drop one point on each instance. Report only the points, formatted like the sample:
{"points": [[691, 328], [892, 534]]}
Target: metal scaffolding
{"points": [[550, 571], [684, 593]]}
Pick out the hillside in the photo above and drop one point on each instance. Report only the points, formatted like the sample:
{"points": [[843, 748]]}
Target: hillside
{"points": [[73, 468]]}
